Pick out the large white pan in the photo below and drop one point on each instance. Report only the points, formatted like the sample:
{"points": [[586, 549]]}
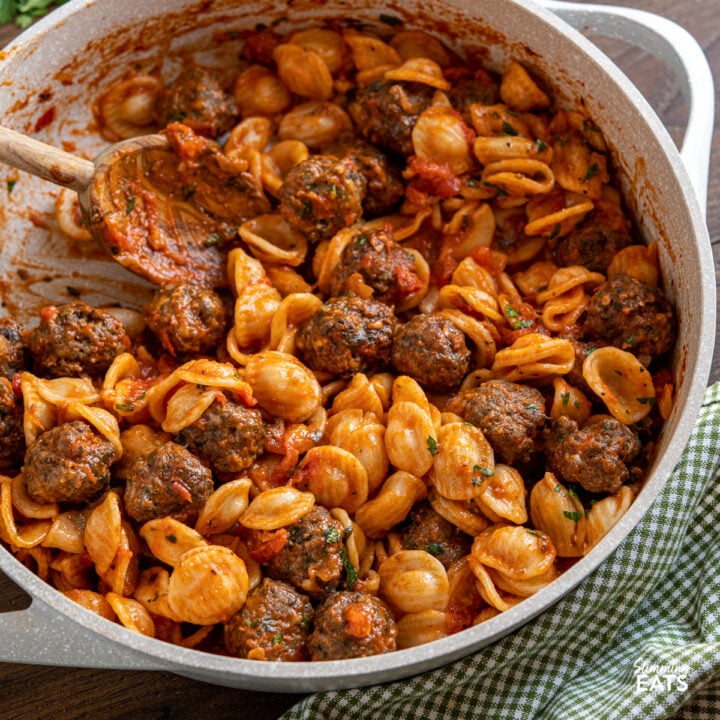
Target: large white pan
{"points": [[89, 42]]}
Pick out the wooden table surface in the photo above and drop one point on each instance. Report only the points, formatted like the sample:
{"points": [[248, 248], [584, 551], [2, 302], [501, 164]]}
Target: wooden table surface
{"points": [[47, 693]]}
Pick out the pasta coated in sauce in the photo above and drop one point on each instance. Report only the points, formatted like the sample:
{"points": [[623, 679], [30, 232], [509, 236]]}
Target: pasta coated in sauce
{"points": [[434, 379]]}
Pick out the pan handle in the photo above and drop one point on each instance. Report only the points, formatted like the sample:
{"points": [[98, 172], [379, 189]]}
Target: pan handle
{"points": [[682, 55], [40, 635]]}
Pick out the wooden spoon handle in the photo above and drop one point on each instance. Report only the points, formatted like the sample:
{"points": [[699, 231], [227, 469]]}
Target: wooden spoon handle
{"points": [[44, 161]]}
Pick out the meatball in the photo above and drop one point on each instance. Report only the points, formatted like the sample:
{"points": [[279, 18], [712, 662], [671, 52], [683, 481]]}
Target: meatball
{"points": [[197, 99], [273, 624], [168, 481], [594, 243], [385, 112], [631, 315], [595, 456], [12, 351], [76, 339], [352, 624], [187, 319], [590, 246], [306, 554], [512, 417], [12, 435], [432, 350], [385, 189], [477, 90], [374, 257], [69, 463], [228, 436], [322, 195], [424, 529], [348, 334]]}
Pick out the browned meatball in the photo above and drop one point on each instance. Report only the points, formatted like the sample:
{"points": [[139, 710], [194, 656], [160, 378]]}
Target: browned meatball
{"points": [[352, 624], [274, 624], [228, 436], [197, 99], [432, 350], [12, 435], [631, 315], [511, 416], [374, 257], [76, 339], [346, 335], [68, 464], [385, 187], [308, 554], [593, 244], [385, 112], [424, 529], [479, 89], [187, 318], [595, 456], [322, 195], [12, 351], [168, 481]]}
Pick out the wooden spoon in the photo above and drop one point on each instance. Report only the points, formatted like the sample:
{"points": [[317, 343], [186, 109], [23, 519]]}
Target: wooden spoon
{"points": [[165, 206]]}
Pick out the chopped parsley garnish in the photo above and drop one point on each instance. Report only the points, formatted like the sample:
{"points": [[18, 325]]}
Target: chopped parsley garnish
{"points": [[646, 400], [484, 470], [572, 515], [331, 535], [434, 549], [592, 171], [125, 407], [540, 145], [277, 638], [130, 205], [541, 538], [511, 313], [351, 573], [171, 539], [532, 406], [11, 185], [508, 129], [565, 397], [211, 240], [432, 445], [72, 291], [500, 191]]}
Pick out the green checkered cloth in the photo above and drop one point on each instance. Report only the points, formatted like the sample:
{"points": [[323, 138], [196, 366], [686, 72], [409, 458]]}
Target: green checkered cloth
{"points": [[651, 610]]}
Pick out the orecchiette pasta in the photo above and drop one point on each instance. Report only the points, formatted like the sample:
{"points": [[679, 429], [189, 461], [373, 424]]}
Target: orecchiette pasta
{"points": [[414, 581], [207, 586]]}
